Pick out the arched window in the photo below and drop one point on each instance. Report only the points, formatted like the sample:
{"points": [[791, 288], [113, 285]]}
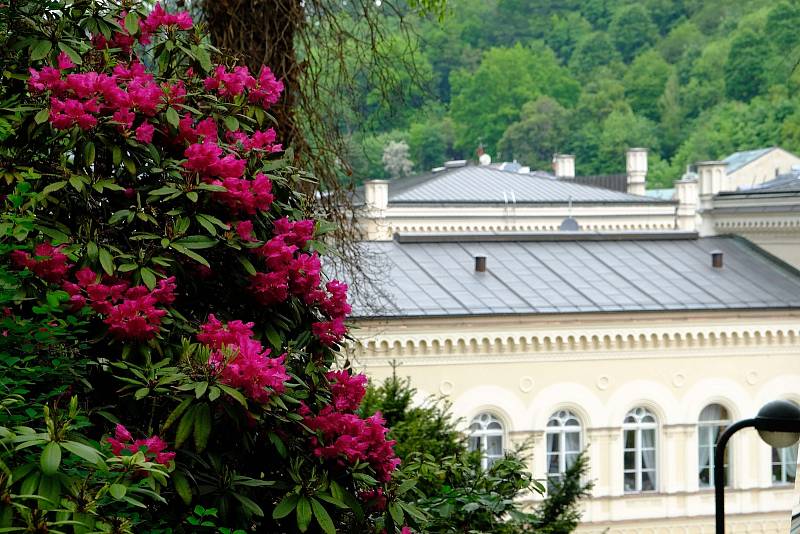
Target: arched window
{"points": [[563, 443], [486, 435], [784, 464], [713, 421], [639, 462]]}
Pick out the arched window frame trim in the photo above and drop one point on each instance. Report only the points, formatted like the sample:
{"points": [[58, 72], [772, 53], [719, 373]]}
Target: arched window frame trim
{"points": [[638, 427], [488, 459]]}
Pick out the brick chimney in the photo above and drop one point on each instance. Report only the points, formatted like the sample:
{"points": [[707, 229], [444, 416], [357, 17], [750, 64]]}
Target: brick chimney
{"points": [[564, 166], [636, 169]]}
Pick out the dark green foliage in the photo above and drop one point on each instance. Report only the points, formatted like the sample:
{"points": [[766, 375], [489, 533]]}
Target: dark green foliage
{"points": [[631, 30], [744, 69], [452, 489]]}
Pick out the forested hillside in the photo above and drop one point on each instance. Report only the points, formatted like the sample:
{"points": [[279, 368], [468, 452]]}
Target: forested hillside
{"points": [[688, 79]]}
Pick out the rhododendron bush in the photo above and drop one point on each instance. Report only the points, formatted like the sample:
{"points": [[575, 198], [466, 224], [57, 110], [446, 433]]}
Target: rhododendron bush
{"points": [[186, 355]]}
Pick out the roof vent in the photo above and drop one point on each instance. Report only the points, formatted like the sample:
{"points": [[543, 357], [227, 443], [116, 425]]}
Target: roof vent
{"points": [[437, 169], [716, 259], [453, 163], [480, 264], [569, 225]]}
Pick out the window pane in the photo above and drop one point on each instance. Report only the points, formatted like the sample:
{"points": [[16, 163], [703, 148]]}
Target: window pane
{"points": [[552, 463], [630, 460], [494, 426], [552, 442], [572, 441], [494, 445], [649, 459], [630, 439], [705, 477], [570, 459], [474, 443], [648, 480], [630, 481]]}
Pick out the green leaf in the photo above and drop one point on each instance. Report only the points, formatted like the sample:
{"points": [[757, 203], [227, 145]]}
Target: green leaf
{"points": [[182, 487], [213, 393], [192, 195], [116, 155], [117, 491], [42, 116], [247, 264], [185, 427], [162, 191], [172, 117], [141, 393], [202, 426], [92, 250], [249, 505], [177, 412], [235, 393], [52, 188], [73, 55], [76, 183], [303, 512], [86, 452], [273, 336], [322, 517], [231, 123], [397, 513], [328, 498], [89, 153], [185, 251], [285, 507], [106, 262], [132, 22], [205, 223], [197, 242], [50, 458], [40, 50], [148, 277], [203, 57], [200, 389]]}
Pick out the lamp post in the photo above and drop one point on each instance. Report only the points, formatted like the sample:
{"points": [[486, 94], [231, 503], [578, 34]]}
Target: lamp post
{"points": [[778, 424]]}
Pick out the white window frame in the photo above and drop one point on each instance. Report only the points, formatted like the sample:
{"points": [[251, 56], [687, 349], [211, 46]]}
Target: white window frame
{"points": [[483, 420], [784, 464], [722, 424], [638, 426], [557, 425]]}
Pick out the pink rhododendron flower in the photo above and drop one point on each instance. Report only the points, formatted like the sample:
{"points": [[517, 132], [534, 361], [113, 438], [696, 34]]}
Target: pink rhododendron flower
{"points": [[270, 288], [242, 362], [347, 390], [47, 262], [124, 117], [64, 62], [246, 196], [329, 332], [245, 230], [144, 133], [346, 439], [268, 90], [296, 233], [154, 448], [159, 18], [304, 273]]}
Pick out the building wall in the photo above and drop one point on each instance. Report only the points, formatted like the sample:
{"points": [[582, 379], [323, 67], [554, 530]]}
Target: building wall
{"points": [[600, 366], [762, 169]]}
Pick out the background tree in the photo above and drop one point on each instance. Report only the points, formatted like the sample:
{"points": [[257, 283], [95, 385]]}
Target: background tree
{"points": [[395, 159], [538, 134], [631, 29], [744, 68]]}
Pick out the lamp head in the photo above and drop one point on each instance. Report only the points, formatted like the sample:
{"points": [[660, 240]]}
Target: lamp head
{"points": [[778, 423]]}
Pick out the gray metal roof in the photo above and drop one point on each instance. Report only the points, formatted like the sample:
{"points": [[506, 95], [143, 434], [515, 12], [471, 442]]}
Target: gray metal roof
{"points": [[574, 276], [487, 185], [737, 160], [778, 186]]}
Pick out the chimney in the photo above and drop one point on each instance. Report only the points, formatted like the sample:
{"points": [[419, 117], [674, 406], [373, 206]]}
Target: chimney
{"points": [[711, 180], [686, 191], [636, 169], [376, 195], [485, 159], [716, 259], [480, 264], [564, 166]]}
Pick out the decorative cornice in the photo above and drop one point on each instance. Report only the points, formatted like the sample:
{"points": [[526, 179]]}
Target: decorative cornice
{"points": [[444, 347], [789, 224]]}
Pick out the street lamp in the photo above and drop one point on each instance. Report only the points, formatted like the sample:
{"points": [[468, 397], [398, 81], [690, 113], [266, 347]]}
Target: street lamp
{"points": [[778, 424]]}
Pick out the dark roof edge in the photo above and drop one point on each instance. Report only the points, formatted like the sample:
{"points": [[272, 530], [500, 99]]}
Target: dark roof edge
{"points": [[594, 312], [786, 266], [639, 200], [550, 236]]}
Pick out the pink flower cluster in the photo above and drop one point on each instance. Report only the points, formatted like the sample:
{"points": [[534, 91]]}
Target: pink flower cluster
{"points": [[207, 159], [154, 447], [158, 18], [131, 312], [242, 362], [265, 91], [347, 390], [294, 272], [346, 439], [264, 141], [80, 98], [245, 196], [47, 262]]}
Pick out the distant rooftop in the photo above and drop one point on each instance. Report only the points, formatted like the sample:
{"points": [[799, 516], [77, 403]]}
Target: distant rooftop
{"points": [[663, 194], [737, 160], [485, 184], [780, 185], [429, 278]]}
